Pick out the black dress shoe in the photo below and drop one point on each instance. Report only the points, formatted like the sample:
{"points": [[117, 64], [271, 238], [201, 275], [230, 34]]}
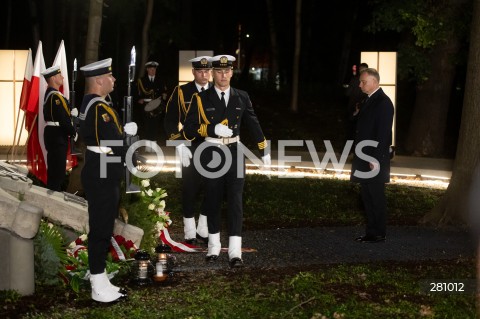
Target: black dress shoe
{"points": [[211, 258], [235, 262], [123, 291], [191, 241], [202, 240], [370, 239]]}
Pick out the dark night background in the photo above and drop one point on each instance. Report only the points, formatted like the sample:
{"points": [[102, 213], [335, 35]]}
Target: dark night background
{"points": [[333, 35], [212, 25]]}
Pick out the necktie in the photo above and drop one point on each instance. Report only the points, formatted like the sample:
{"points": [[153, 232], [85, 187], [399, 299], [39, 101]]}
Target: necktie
{"points": [[223, 99], [202, 89]]}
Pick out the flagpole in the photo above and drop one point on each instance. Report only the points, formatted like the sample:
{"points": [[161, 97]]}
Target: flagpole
{"points": [[17, 143], [30, 132], [14, 136]]}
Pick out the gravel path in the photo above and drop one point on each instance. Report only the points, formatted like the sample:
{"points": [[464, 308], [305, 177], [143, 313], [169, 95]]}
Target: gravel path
{"points": [[333, 245]]}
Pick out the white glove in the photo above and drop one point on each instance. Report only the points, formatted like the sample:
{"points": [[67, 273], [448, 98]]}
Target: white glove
{"points": [[76, 137], [74, 112], [223, 130], [185, 154], [267, 160], [130, 128]]}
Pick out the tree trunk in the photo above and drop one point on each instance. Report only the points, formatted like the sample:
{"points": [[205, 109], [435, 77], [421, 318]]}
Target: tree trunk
{"points": [[273, 62], [8, 23], [426, 136], [453, 206], [93, 32], [91, 55], [350, 24], [34, 18], [296, 56], [49, 13], [427, 127], [146, 28]]}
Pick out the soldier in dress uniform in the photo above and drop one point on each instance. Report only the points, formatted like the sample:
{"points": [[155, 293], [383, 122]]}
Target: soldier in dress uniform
{"points": [[151, 87], [58, 129], [216, 114], [175, 114], [102, 175]]}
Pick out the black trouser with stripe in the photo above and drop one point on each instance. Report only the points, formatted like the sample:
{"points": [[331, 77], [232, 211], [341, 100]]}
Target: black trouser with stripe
{"points": [[230, 183], [191, 188], [56, 145], [103, 196]]}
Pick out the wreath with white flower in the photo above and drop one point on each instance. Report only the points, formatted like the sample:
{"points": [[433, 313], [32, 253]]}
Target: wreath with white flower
{"points": [[154, 198]]}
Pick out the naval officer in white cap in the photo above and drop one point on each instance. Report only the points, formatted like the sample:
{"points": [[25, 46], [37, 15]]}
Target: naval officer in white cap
{"points": [[99, 122], [175, 115], [58, 129], [216, 115]]}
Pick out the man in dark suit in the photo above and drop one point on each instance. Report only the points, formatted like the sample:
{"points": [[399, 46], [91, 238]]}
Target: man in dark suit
{"points": [[216, 115], [371, 163], [174, 121]]}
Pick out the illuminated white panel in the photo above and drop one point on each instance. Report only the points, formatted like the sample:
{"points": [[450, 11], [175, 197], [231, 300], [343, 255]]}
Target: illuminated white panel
{"points": [[12, 71], [370, 58], [185, 67], [7, 118], [387, 67], [7, 58], [390, 91]]}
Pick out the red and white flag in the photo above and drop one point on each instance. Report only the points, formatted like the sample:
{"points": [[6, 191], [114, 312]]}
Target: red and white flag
{"points": [[35, 159], [61, 61], [27, 82]]}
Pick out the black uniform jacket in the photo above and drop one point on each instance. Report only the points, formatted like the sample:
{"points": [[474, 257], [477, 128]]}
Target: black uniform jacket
{"points": [[148, 89], [206, 110], [177, 108], [374, 123], [101, 122], [56, 109]]}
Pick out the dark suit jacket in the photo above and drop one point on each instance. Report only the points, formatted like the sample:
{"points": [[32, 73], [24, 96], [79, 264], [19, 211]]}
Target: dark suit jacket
{"points": [[374, 123], [206, 111]]}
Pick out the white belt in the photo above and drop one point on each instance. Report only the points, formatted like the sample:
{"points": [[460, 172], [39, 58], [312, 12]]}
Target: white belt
{"points": [[223, 140], [48, 123], [100, 149]]}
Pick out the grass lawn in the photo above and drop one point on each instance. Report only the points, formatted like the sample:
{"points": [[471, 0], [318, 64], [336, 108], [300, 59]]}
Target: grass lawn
{"points": [[357, 290]]}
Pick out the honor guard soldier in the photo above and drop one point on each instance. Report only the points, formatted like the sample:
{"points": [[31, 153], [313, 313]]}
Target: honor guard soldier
{"points": [[152, 97], [101, 176], [216, 115], [58, 129], [175, 115]]}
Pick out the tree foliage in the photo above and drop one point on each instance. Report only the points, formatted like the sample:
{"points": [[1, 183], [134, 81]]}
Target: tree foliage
{"points": [[423, 25]]}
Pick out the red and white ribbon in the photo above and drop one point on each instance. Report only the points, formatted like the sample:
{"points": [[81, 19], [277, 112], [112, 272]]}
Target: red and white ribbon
{"points": [[176, 246]]}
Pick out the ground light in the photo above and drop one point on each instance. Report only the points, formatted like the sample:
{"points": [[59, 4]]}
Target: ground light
{"points": [[431, 181], [142, 269]]}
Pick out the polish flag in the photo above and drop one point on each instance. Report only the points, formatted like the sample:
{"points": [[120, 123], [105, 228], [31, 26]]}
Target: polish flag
{"points": [[61, 61], [27, 82], [35, 159]]}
